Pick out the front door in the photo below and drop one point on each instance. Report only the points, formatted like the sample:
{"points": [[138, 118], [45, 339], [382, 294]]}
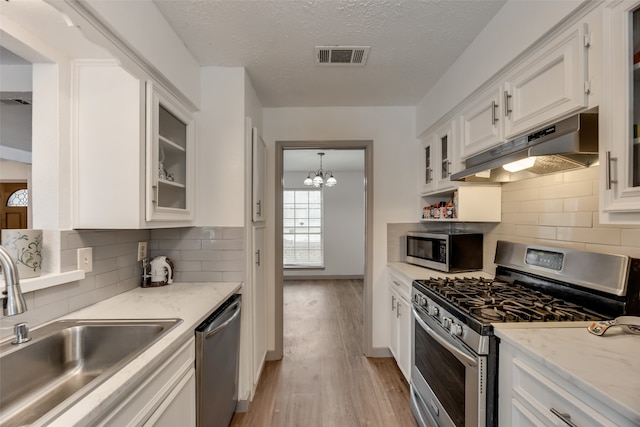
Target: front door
{"points": [[13, 205]]}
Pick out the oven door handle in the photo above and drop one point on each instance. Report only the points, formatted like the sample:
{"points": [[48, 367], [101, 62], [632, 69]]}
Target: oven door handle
{"points": [[459, 354]]}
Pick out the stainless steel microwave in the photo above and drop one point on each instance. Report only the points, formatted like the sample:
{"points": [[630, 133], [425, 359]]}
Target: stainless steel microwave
{"points": [[449, 251]]}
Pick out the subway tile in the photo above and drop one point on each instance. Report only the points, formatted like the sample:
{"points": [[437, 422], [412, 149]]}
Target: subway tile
{"points": [[233, 255], [510, 207], [133, 236], [520, 218], [106, 279], [127, 285], [630, 237], [581, 204], [223, 244], [88, 298], [203, 255], [174, 255], [188, 266], [553, 205], [222, 266], [589, 235], [520, 195], [200, 276], [104, 265], [114, 250], [54, 294], [536, 231], [197, 233], [127, 273], [233, 233], [572, 189], [567, 219], [92, 238], [541, 181], [232, 276], [181, 245], [165, 234]]}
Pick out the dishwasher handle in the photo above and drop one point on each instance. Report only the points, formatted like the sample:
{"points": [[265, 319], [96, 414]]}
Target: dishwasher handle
{"points": [[221, 322]]}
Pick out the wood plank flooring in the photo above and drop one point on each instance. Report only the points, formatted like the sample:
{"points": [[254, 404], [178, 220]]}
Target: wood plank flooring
{"points": [[323, 378]]}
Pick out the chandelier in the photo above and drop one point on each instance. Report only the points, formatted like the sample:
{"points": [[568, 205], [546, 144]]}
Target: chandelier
{"points": [[320, 177]]}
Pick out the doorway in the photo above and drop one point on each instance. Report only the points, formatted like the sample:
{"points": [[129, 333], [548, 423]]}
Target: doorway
{"points": [[367, 148], [13, 205]]}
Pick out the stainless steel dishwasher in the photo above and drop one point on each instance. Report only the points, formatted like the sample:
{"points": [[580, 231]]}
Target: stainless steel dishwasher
{"points": [[217, 349]]}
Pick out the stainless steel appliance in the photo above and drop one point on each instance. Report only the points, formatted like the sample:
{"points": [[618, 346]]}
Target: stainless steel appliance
{"points": [[217, 350], [454, 351], [450, 251], [569, 144]]}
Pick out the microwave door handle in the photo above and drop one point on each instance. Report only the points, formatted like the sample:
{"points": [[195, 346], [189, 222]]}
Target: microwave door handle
{"points": [[459, 354]]}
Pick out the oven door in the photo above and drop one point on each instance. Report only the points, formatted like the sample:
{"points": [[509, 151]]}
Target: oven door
{"points": [[445, 377]]}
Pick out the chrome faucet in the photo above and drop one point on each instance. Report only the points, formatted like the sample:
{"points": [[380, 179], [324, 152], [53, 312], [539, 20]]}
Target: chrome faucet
{"points": [[13, 303]]}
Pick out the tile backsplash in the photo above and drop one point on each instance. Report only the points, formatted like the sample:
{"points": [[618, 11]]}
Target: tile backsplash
{"points": [[200, 254], [555, 210]]}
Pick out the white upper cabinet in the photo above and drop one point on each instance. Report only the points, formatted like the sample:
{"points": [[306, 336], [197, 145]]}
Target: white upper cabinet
{"points": [[481, 123], [438, 159], [258, 175], [169, 166], [123, 129], [550, 84], [620, 114], [425, 165]]}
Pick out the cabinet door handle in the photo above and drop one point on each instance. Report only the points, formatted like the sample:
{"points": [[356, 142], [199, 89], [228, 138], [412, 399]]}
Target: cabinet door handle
{"points": [[608, 170], [259, 210], [507, 110], [258, 257], [154, 197], [566, 418], [398, 310], [446, 169], [393, 303], [494, 115], [428, 177]]}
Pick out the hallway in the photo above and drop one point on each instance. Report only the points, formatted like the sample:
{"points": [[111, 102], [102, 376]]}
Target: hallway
{"points": [[323, 379]]}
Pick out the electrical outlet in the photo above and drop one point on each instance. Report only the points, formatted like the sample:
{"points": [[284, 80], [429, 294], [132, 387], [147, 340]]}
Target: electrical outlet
{"points": [[85, 259], [142, 250]]}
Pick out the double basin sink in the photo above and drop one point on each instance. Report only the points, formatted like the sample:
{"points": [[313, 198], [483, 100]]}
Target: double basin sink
{"points": [[65, 360]]}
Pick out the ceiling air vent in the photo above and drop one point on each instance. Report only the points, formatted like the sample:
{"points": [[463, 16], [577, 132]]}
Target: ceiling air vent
{"points": [[342, 55]]}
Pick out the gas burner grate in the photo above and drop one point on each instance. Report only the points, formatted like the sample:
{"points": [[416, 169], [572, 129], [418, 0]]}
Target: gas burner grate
{"points": [[496, 301]]}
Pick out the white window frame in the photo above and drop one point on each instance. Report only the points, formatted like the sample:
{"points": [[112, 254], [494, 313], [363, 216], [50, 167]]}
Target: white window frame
{"points": [[298, 263]]}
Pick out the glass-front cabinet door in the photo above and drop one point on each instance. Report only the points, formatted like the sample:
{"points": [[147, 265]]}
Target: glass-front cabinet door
{"points": [[169, 158], [425, 167], [620, 114]]}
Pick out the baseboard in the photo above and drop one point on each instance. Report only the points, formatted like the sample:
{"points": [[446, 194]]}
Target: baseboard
{"points": [[320, 277], [242, 406], [273, 355], [380, 352]]}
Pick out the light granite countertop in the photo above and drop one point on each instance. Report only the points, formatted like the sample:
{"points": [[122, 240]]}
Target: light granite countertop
{"points": [[606, 367], [191, 302]]}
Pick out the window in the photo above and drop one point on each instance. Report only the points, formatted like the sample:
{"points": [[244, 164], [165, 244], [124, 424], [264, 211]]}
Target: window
{"points": [[302, 228], [19, 198]]}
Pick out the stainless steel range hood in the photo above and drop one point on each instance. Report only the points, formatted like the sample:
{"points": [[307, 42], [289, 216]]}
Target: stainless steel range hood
{"points": [[565, 145]]}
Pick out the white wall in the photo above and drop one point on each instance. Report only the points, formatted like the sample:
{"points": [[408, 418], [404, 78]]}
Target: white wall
{"points": [[514, 28], [343, 224], [392, 131], [221, 148]]}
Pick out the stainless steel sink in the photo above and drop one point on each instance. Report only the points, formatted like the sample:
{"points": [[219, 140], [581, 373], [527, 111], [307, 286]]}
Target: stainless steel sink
{"points": [[67, 359]]}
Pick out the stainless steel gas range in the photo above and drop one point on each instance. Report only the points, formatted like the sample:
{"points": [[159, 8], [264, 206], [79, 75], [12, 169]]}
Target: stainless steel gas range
{"points": [[454, 351]]}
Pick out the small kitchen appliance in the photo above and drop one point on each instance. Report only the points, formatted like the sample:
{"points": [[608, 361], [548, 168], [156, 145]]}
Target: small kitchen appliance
{"points": [[449, 251], [161, 271], [454, 351]]}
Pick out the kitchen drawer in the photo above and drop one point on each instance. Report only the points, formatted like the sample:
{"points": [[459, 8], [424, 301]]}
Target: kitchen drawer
{"points": [[400, 284], [538, 392], [140, 403]]}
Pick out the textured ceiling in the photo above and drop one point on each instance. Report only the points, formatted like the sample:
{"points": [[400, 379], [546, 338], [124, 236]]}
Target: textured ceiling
{"points": [[412, 44]]}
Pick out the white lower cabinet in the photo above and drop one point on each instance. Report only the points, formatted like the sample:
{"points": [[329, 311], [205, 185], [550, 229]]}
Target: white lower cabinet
{"points": [[400, 323], [166, 397], [530, 394]]}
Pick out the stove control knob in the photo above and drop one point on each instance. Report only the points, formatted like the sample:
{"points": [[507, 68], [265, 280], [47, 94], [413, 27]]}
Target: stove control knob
{"points": [[456, 330], [446, 322], [433, 311]]}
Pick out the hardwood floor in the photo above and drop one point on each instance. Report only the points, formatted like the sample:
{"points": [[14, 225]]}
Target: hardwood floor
{"points": [[323, 378]]}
